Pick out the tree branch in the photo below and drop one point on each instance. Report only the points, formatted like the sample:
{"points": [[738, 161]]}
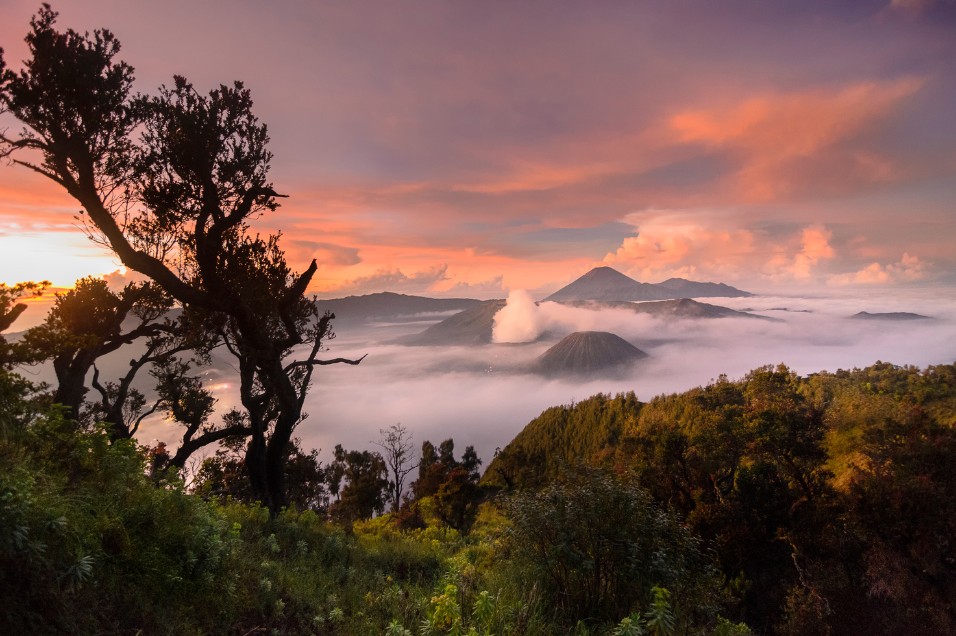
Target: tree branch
{"points": [[143, 416], [209, 437], [311, 363]]}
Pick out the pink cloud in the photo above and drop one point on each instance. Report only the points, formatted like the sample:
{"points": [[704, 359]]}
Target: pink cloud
{"points": [[676, 245], [328, 254], [120, 278], [815, 247], [491, 288], [908, 269], [787, 142], [666, 247], [393, 280]]}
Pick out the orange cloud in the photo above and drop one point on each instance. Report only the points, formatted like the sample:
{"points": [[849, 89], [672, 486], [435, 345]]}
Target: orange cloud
{"points": [[664, 248], [785, 142], [815, 242], [31, 200], [674, 245], [800, 264], [909, 268]]}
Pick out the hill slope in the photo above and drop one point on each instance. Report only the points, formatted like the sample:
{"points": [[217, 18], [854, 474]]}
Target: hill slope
{"points": [[470, 327], [390, 305], [688, 308]]}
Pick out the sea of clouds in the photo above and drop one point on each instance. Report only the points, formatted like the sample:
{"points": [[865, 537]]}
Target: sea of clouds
{"points": [[483, 396]]}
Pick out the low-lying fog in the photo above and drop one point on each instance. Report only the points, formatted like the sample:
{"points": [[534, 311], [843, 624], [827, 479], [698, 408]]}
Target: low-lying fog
{"points": [[480, 395]]}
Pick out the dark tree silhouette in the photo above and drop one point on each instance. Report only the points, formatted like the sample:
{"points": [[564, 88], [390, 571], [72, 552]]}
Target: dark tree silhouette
{"points": [[396, 445], [358, 480], [170, 184], [10, 309], [223, 474], [87, 323], [453, 484], [16, 407]]}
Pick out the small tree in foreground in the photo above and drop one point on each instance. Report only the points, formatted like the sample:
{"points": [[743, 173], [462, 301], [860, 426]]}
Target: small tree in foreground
{"points": [[359, 481], [396, 445]]}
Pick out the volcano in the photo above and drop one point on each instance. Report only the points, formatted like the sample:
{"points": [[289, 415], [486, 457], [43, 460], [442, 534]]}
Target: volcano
{"points": [[588, 353], [607, 284], [470, 327]]}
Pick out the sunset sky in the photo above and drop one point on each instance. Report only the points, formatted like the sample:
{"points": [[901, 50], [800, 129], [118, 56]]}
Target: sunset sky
{"points": [[468, 148]]}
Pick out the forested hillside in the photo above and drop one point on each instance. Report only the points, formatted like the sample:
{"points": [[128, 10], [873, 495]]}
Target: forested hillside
{"points": [[828, 499]]}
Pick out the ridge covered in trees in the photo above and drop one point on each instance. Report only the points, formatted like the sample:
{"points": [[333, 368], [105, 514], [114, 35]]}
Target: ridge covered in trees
{"points": [[829, 500]]}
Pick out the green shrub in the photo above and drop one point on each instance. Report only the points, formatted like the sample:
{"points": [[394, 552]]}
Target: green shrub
{"points": [[597, 546]]}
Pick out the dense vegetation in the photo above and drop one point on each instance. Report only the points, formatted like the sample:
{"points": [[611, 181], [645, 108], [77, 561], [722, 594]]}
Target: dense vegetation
{"points": [[829, 500], [794, 505]]}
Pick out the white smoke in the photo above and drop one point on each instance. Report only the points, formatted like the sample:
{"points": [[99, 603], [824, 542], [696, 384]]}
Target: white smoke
{"points": [[520, 320]]}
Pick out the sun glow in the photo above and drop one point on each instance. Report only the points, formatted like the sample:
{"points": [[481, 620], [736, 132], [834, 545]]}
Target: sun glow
{"points": [[59, 257]]}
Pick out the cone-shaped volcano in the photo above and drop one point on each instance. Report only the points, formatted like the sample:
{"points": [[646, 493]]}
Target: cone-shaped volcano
{"points": [[605, 283], [588, 353]]}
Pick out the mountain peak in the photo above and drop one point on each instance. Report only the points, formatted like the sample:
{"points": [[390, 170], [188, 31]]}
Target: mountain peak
{"points": [[588, 353], [607, 284], [605, 271]]}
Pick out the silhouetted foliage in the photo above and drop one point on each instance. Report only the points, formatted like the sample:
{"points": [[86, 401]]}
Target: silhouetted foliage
{"points": [[10, 311], [452, 484], [89, 322], [223, 475], [169, 182], [18, 403], [396, 445], [359, 482]]}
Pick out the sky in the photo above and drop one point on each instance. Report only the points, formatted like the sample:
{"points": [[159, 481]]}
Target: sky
{"points": [[452, 148]]}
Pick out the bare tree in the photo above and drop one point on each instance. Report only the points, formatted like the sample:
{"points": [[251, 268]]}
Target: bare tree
{"points": [[396, 444]]}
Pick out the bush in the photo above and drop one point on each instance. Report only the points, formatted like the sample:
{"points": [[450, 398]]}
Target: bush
{"points": [[91, 544], [598, 546]]}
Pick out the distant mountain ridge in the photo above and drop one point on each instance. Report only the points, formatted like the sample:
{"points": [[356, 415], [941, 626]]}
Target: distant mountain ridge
{"points": [[689, 308], [889, 315], [608, 284], [390, 305], [676, 308], [684, 288]]}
